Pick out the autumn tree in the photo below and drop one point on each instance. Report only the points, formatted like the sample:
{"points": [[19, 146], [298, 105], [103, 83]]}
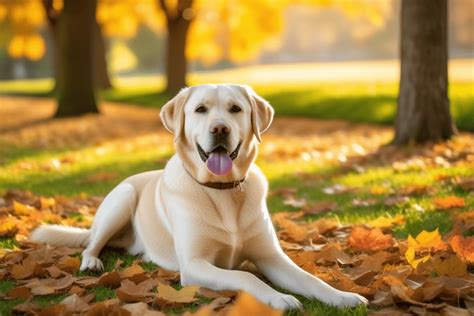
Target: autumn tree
{"points": [[423, 112], [75, 30], [178, 19], [101, 76]]}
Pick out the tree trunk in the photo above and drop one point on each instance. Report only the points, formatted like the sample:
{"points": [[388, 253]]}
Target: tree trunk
{"points": [[75, 89], [99, 67], [176, 63], [423, 112]]}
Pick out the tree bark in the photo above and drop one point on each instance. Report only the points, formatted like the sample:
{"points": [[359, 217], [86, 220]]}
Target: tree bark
{"points": [[99, 67], [178, 22], [423, 112], [75, 33]]}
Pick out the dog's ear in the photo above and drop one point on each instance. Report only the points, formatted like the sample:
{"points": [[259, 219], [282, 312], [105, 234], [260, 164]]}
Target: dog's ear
{"points": [[172, 113], [262, 112]]}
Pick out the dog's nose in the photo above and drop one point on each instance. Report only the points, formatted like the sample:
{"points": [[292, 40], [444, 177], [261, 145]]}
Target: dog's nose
{"points": [[220, 129]]}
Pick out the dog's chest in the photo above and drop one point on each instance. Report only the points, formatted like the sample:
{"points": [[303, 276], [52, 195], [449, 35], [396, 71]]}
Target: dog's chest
{"points": [[229, 222]]}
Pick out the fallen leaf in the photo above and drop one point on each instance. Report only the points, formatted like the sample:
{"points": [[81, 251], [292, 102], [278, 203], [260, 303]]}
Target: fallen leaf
{"points": [[370, 239], [111, 279], [25, 269], [47, 203], [445, 203], [22, 292], [385, 221], [410, 256], [75, 304], [427, 241], [452, 267], [22, 209], [463, 246], [130, 292], [141, 309], [167, 295], [69, 264]]}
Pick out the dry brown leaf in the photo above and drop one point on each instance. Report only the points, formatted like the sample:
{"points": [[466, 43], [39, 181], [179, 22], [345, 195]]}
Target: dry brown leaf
{"points": [[22, 292], [370, 239], [130, 292], [26, 269], [333, 252], [111, 279], [69, 264], [49, 286], [141, 309], [325, 225], [452, 267], [168, 296], [75, 304], [108, 307]]}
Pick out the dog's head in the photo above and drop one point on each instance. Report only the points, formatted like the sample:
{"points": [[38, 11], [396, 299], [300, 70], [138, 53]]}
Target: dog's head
{"points": [[216, 129]]}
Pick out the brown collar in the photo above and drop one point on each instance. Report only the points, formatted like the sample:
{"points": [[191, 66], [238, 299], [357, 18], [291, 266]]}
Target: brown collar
{"points": [[219, 185]]}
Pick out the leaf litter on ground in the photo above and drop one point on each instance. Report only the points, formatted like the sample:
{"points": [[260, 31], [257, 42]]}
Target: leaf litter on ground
{"points": [[428, 272]]}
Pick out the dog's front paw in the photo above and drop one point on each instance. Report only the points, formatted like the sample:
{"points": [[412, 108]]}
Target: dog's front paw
{"points": [[284, 302], [91, 263], [346, 299]]}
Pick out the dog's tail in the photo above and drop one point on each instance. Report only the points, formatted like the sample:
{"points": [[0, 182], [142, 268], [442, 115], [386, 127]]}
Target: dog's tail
{"points": [[57, 235]]}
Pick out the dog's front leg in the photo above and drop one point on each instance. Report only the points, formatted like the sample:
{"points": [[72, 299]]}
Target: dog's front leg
{"points": [[202, 273]]}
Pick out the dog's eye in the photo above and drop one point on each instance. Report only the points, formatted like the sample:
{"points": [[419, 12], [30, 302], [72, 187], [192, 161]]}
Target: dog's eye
{"points": [[201, 109], [235, 109]]}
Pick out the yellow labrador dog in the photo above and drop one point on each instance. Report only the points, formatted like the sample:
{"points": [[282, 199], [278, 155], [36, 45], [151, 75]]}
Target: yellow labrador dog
{"points": [[205, 214]]}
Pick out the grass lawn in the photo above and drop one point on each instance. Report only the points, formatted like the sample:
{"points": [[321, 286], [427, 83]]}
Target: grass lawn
{"points": [[323, 159]]}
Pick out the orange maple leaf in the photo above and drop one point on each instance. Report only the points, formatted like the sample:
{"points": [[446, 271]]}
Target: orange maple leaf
{"points": [[463, 246], [448, 202], [370, 239]]}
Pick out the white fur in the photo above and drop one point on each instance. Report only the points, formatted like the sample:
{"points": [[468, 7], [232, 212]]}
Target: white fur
{"points": [[204, 233]]}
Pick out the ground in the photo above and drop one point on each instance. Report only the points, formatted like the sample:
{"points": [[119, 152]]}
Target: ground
{"points": [[335, 170]]}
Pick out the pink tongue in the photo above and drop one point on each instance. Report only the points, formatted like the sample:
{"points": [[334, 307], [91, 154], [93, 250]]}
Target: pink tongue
{"points": [[219, 163]]}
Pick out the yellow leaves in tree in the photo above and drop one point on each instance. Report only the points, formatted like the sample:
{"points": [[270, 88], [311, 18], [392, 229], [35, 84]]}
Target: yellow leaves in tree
{"points": [[30, 46], [463, 246], [427, 241], [449, 202], [370, 239]]}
